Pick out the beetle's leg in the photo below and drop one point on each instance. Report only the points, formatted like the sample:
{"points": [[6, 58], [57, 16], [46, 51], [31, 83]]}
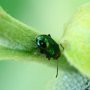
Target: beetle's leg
{"points": [[57, 69], [48, 57], [62, 46], [41, 51]]}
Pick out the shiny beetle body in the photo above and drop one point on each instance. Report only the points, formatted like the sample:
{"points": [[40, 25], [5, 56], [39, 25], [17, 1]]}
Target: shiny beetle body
{"points": [[48, 46]]}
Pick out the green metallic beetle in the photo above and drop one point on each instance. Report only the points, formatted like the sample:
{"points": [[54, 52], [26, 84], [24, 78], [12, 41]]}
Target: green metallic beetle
{"points": [[48, 47]]}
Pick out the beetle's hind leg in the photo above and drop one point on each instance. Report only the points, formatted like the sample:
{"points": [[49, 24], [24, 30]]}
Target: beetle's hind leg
{"points": [[47, 56], [41, 51]]}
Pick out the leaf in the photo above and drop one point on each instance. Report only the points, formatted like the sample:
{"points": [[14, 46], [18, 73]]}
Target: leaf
{"points": [[16, 36], [77, 36]]}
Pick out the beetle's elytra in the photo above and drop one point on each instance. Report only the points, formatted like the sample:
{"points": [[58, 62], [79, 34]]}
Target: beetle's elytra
{"points": [[48, 46]]}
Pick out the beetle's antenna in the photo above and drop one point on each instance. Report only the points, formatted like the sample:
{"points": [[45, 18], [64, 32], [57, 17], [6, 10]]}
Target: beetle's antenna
{"points": [[57, 69], [62, 46], [49, 35]]}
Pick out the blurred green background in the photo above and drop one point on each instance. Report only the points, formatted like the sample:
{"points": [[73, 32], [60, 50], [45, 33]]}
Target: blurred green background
{"points": [[46, 16]]}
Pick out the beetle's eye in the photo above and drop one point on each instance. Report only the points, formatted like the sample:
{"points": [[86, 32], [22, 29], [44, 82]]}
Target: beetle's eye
{"points": [[42, 44]]}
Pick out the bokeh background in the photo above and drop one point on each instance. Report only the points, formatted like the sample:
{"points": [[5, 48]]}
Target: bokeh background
{"points": [[46, 16]]}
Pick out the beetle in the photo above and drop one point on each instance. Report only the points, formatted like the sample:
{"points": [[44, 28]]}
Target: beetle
{"points": [[49, 47]]}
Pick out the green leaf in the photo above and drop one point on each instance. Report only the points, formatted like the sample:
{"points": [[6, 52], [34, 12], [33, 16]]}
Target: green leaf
{"points": [[77, 37], [16, 38]]}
